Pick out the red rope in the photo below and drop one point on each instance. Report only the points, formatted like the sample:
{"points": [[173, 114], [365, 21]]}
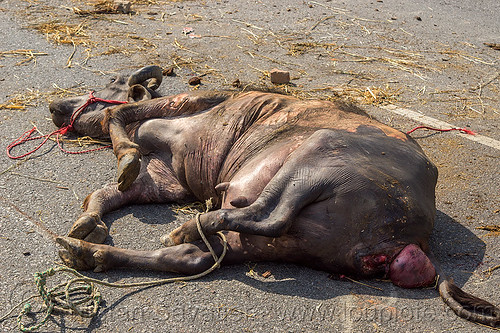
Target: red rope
{"points": [[463, 130], [26, 136]]}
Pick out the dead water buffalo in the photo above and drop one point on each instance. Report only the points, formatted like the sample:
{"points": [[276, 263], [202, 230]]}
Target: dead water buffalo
{"points": [[301, 181]]}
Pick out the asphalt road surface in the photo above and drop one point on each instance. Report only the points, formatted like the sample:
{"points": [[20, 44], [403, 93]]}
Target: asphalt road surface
{"points": [[426, 56]]}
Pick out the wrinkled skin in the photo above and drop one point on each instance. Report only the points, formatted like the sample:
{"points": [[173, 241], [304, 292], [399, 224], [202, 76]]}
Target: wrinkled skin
{"points": [[307, 182]]}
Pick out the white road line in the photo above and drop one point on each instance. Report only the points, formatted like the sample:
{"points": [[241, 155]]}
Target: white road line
{"points": [[429, 121]]}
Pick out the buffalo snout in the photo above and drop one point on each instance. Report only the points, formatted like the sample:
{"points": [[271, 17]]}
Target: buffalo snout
{"points": [[62, 109]]}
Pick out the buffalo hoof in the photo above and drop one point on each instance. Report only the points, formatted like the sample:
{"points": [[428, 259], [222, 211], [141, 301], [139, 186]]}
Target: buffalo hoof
{"points": [[167, 241], [81, 255], [186, 233], [90, 228], [129, 166]]}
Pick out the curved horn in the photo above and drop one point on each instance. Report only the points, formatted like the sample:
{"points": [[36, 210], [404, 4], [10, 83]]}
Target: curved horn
{"points": [[153, 72]]}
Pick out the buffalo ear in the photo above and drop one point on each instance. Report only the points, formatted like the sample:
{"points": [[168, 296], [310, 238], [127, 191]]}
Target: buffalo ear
{"points": [[137, 93]]}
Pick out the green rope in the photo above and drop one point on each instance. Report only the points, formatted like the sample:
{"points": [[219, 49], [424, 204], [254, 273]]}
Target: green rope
{"points": [[80, 294]]}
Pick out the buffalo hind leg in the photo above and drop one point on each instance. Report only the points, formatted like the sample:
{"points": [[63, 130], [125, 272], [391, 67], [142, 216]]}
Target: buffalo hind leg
{"points": [[188, 258], [306, 177], [185, 259]]}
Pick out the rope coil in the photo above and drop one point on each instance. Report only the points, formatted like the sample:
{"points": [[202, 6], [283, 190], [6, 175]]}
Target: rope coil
{"points": [[61, 298]]}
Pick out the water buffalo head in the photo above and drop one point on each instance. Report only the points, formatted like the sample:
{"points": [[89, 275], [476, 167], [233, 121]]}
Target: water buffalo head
{"points": [[141, 85]]}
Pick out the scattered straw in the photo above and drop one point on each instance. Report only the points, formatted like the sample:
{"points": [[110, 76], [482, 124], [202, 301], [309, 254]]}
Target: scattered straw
{"points": [[21, 101], [231, 310], [379, 95], [66, 92], [320, 21], [147, 45], [193, 208], [189, 209], [116, 50], [467, 57], [101, 7], [296, 49], [30, 55], [185, 62], [407, 65], [182, 47], [494, 46], [35, 178], [248, 25], [366, 95], [494, 230], [362, 284], [400, 53], [151, 2], [62, 33], [488, 272], [83, 141]]}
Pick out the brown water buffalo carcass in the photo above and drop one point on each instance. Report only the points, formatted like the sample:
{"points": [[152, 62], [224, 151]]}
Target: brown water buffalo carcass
{"points": [[301, 181]]}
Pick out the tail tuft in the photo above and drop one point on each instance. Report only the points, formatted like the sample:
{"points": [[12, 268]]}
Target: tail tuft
{"points": [[468, 306]]}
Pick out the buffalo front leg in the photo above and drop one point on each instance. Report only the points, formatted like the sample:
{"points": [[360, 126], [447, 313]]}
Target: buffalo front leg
{"points": [[118, 117], [129, 162], [89, 225]]}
